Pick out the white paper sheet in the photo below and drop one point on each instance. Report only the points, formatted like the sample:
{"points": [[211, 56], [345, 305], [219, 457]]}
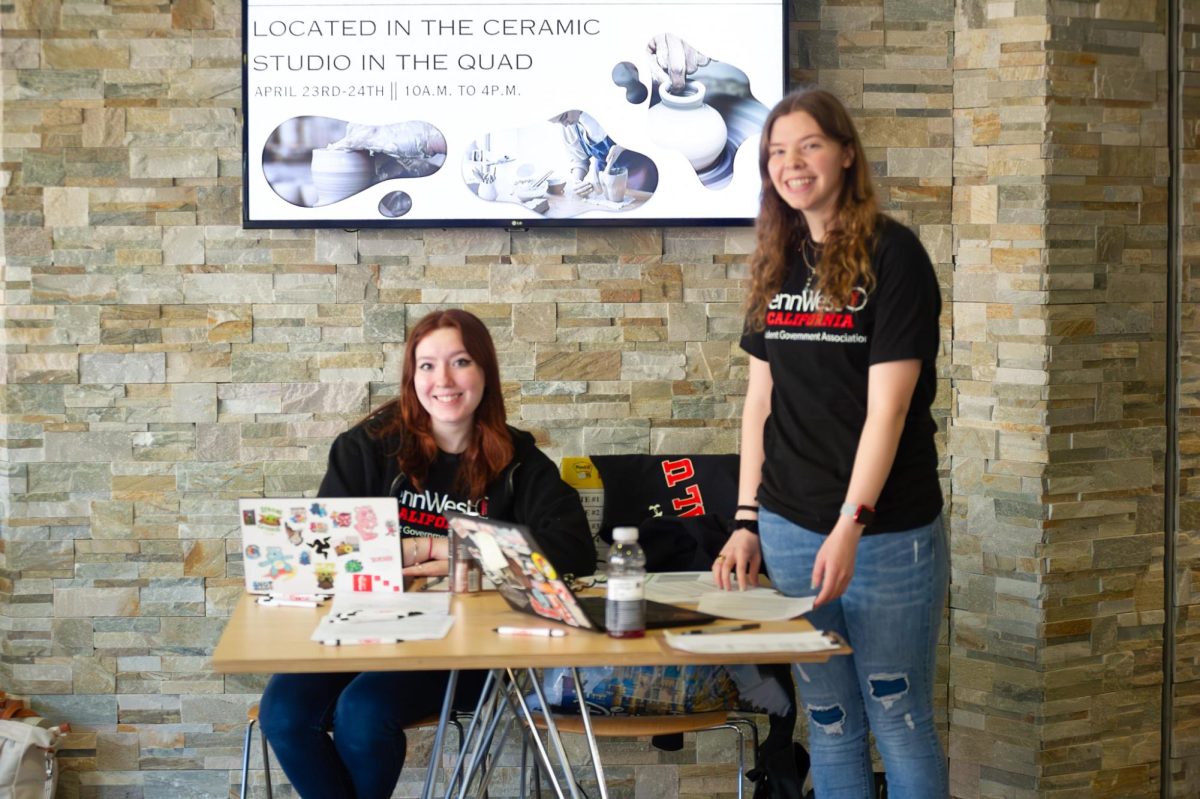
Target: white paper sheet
{"points": [[676, 587], [755, 605], [389, 619], [813, 641]]}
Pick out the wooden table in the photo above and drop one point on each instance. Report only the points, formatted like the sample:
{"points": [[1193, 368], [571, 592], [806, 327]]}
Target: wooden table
{"points": [[267, 640], [261, 639]]}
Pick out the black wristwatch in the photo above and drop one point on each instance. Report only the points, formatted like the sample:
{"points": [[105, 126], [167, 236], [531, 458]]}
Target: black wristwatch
{"points": [[863, 514]]}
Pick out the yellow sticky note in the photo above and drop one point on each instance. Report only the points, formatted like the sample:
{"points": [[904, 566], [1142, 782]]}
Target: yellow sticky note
{"points": [[581, 473]]}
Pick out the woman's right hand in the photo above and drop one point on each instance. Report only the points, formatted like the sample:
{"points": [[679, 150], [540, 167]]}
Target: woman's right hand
{"points": [[674, 60], [741, 556]]}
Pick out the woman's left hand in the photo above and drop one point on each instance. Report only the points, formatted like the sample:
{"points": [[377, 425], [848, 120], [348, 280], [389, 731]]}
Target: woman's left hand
{"points": [[834, 565]]}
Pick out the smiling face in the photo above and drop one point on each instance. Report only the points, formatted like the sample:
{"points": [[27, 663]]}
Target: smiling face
{"points": [[449, 385], [807, 168]]}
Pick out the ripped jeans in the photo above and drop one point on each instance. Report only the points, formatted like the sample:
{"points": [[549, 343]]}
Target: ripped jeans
{"points": [[890, 615]]}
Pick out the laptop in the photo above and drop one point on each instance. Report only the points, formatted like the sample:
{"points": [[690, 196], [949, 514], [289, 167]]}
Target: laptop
{"points": [[524, 576], [313, 545]]}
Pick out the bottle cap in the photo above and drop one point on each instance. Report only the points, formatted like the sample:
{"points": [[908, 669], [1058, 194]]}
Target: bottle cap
{"points": [[625, 534]]}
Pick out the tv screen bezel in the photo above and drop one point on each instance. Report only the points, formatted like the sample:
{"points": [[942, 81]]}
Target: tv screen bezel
{"points": [[466, 222]]}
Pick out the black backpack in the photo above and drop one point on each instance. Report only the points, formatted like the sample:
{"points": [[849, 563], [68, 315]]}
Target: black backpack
{"points": [[780, 773]]}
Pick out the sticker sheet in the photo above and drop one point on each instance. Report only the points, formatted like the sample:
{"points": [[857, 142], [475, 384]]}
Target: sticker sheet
{"points": [[321, 546]]}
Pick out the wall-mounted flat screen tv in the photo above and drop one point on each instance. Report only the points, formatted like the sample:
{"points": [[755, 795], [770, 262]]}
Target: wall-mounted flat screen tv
{"points": [[499, 112]]}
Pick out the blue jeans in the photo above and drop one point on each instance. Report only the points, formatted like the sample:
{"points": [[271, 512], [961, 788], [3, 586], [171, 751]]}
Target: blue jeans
{"points": [[366, 713], [890, 616]]}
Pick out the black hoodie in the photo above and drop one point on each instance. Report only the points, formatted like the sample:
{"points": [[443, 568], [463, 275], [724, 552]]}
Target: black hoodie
{"points": [[528, 492]]}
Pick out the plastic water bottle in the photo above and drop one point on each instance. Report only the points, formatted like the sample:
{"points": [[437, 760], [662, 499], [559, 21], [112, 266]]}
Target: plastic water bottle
{"points": [[625, 610]]}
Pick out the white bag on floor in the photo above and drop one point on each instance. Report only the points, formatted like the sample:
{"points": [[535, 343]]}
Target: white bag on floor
{"points": [[28, 769]]}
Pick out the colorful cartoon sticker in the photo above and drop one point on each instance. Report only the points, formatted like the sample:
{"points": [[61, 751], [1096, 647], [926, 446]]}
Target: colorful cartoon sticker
{"points": [[365, 522], [277, 565], [253, 551], [347, 546], [543, 566], [325, 573], [547, 605]]}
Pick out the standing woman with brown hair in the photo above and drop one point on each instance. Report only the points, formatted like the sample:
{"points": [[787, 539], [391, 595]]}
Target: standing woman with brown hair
{"points": [[443, 444], [839, 493]]}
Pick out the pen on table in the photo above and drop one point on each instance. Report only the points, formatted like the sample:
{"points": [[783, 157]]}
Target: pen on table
{"points": [[543, 632], [734, 628]]}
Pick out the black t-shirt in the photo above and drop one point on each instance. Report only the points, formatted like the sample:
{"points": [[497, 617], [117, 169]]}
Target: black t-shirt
{"points": [[819, 360], [422, 513]]}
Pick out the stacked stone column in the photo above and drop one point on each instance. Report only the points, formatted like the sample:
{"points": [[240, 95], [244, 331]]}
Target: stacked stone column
{"points": [[1058, 429], [1185, 727]]}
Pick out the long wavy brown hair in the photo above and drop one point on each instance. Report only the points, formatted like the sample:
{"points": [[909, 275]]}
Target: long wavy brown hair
{"points": [[845, 260], [491, 447]]}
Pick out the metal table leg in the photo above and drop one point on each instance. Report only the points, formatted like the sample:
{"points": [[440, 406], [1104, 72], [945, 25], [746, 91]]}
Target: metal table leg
{"points": [[489, 687], [440, 736], [487, 749], [593, 744], [489, 712], [552, 734]]}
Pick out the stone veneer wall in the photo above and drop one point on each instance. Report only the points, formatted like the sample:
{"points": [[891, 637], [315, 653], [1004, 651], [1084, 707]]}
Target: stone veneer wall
{"points": [[161, 361], [1185, 750], [1058, 429]]}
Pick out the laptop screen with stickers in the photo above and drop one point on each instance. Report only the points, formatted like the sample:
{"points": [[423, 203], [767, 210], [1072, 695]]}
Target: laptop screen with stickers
{"points": [[311, 545]]}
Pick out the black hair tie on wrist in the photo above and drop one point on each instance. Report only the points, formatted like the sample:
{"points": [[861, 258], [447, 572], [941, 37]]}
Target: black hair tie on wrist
{"points": [[751, 508], [749, 525]]}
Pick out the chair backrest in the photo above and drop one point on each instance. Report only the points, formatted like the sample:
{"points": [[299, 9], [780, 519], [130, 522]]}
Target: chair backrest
{"points": [[640, 487], [681, 505]]}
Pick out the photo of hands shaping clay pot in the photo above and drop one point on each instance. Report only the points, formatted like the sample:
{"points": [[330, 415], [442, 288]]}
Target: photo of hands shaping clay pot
{"points": [[682, 121], [698, 106], [313, 161], [613, 181], [338, 174]]}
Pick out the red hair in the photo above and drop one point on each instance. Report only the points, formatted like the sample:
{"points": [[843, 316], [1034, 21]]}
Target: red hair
{"points": [[490, 449]]}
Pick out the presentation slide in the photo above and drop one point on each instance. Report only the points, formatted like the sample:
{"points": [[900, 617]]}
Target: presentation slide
{"points": [[376, 114]]}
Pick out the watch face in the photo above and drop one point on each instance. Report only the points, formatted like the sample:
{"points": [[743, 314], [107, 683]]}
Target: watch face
{"points": [[863, 514]]}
